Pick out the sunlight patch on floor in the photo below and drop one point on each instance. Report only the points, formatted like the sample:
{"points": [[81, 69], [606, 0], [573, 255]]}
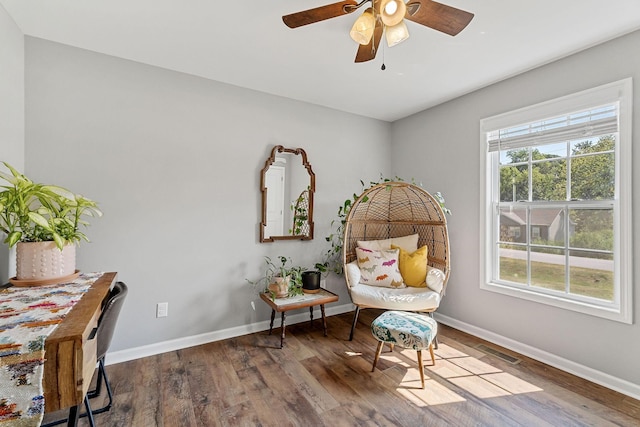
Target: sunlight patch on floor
{"points": [[474, 365], [446, 369], [512, 384], [433, 393], [479, 387], [466, 372]]}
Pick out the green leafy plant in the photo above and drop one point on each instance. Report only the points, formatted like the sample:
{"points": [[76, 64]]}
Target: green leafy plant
{"points": [[322, 267], [440, 198], [284, 268], [332, 258], [300, 209], [32, 212]]}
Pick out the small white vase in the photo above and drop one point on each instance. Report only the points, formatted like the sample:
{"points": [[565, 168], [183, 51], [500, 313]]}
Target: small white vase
{"points": [[44, 261]]}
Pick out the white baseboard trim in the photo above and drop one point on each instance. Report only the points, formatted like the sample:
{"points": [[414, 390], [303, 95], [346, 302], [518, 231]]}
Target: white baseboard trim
{"points": [[606, 380], [184, 342]]}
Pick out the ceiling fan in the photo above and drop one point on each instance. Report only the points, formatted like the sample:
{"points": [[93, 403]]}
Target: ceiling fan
{"points": [[385, 16]]}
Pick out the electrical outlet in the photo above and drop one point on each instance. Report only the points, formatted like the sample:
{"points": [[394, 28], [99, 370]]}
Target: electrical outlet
{"points": [[162, 309]]}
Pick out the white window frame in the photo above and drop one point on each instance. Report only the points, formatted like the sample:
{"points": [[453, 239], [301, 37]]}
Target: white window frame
{"points": [[620, 92]]}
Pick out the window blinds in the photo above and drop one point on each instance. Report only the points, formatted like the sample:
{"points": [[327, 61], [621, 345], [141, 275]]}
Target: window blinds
{"points": [[579, 125]]}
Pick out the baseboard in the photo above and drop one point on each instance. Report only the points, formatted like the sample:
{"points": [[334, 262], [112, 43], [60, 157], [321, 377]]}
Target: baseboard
{"points": [[184, 342], [606, 380]]}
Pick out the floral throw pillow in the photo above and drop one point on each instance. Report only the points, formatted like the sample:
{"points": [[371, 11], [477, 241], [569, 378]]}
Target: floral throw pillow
{"points": [[380, 268]]}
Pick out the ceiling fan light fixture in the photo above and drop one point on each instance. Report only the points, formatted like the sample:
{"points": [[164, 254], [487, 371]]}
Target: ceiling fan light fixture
{"points": [[362, 30], [392, 12], [396, 34]]}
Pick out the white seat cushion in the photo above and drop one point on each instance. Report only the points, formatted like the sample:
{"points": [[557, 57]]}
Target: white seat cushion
{"points": [[409, 299]]}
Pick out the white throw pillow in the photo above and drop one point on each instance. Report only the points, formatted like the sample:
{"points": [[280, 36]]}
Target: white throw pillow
{"points": [[435, 279], [352, 273], [408, 243]]}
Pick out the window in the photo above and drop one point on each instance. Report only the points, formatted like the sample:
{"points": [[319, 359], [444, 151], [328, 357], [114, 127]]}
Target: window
{"points": [[514, 232], [557, 202], [535, 232]]}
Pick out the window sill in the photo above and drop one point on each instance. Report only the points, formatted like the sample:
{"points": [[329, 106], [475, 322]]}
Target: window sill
{"points": [[611, 313]]}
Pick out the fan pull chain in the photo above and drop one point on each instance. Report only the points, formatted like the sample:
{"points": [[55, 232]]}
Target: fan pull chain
{"points": [[384, 67]]}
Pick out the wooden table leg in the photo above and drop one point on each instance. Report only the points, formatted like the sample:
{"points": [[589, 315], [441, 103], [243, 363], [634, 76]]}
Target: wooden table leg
{"points": [[311, 316], [324, 320], [273, 316], [282, 325]]}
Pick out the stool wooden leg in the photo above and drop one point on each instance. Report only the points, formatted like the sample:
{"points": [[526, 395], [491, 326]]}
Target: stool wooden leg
{"points": [[421, 367], [433, 358], [378, 351]]}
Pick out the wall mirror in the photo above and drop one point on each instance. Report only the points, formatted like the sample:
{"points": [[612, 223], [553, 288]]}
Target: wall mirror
{"points": [[287, 184]]}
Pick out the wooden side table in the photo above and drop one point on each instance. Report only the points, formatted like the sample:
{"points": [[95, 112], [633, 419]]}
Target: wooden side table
{"points": [[282, 305]]}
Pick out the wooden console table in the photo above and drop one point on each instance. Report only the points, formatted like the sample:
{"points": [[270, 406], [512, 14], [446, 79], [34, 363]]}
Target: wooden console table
{"points": [[71, 351], [282, 305]]}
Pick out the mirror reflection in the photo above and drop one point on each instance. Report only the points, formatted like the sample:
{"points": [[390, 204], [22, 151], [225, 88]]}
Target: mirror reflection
{"points": [[287, 185]]}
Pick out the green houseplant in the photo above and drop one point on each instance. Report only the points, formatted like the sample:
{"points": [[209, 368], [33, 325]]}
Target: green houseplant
{"points": [[300, 210], [279, 279], [311, 279], [41, 213]]}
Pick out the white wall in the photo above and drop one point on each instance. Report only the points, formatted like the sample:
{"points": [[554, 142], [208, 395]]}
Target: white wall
{"points": [[11, 112], [441, 147], [174, 161]]}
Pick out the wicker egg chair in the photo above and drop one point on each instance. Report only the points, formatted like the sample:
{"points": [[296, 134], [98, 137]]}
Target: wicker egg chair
{"points": [[390, 210]]}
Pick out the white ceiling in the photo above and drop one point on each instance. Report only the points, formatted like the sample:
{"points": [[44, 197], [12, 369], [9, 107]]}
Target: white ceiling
{"points": [[245, 43]]}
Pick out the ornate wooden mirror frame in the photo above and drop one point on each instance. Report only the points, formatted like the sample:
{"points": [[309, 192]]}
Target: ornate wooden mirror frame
{"points": [[292, 197]]}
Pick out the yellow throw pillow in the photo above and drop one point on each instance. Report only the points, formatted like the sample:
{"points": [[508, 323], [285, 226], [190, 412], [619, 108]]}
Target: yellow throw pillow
{"points": [[413, 266]]}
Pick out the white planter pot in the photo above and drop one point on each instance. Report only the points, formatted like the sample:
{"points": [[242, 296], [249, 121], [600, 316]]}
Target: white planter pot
{"points": [[41, 261]]}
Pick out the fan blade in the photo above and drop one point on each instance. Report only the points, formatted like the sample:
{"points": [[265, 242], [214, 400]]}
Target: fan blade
{"points": [[438, 16], [321, 13], [368, 52]]}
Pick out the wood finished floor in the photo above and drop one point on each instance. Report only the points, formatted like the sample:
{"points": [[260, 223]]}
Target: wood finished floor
{"points": [[327, 381]]}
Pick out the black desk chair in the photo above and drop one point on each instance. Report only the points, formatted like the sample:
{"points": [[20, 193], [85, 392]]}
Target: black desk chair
{"points": [[106, 327]]}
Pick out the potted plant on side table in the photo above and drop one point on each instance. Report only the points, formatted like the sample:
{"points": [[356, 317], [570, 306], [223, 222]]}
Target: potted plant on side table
{"points": [[311, 278], [280, 281], [43, 222]]}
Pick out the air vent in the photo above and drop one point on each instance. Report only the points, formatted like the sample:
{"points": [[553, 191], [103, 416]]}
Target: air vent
{"points": [[498, 354]]}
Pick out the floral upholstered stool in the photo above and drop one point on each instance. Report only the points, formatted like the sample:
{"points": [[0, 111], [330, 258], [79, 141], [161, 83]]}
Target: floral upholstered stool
{"points": [[408, 330]]}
